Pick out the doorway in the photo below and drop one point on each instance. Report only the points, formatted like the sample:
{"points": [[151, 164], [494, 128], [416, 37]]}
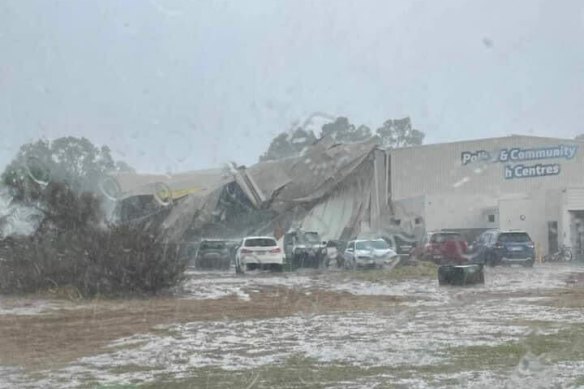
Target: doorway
{"points": [[552, 237], [577, 234]]}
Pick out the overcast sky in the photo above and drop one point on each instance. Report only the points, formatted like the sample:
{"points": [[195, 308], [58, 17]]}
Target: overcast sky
{"points": [[182, 85]]}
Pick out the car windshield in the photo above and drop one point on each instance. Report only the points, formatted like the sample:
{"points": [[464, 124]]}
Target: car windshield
{"points": [[311, 237], [170, 171], [514, 237], [372, 245], [443, 237], [213, 246], [260, 242]]}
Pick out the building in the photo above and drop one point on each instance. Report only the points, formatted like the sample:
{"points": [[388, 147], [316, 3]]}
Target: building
{"points": [[344, 191], [517, 182], [339, 190]]}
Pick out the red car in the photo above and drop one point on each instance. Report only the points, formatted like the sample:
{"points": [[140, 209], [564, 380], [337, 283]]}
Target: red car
{"points": [[442, 247]]}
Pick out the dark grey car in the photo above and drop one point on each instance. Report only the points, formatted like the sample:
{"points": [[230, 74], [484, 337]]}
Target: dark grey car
{"points": [[213, 254], [496, 247]]}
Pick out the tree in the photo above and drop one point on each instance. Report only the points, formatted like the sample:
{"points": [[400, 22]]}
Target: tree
{"points": [[342, 131], [579, 137], [75, 161], [73, 250], [399, 133], [289, 144], [392, 134]]}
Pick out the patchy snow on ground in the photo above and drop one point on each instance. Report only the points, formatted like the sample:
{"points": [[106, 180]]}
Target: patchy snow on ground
{"points": [[400, 337], [420, 333], [26, 307]]}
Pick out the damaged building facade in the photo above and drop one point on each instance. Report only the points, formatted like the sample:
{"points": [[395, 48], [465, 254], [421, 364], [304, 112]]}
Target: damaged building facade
{"points": [[347, 190], [339, 190]]}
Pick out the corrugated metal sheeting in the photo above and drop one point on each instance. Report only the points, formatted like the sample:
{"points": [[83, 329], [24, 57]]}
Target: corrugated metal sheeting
{"points": [[336, 189]]}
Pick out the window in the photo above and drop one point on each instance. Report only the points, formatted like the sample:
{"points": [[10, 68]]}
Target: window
{"points": [[515, 237], [372, 245], [260, 242], [311, 237], [443, 237], [210, 245], [491, 218]]}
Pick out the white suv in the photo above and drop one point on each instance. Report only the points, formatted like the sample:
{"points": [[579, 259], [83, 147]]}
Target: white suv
{"points": [[258, 252]]}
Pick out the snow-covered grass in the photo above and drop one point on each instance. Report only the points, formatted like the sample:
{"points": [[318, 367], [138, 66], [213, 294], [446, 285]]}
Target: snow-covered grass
{"points": [[441, 337]]}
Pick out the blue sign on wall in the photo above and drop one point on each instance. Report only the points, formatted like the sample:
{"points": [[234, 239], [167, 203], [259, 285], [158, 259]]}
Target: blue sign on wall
{"points": [[539, 170], [518, 154]]}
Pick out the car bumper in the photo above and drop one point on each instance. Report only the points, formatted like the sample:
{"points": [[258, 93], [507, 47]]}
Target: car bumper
{"points": [[213, 259], [375, 261], [310, 254], [518, 261], [263, 259], [445, 259]]}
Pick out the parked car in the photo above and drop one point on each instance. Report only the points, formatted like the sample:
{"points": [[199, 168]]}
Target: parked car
{"points": [[305, 249], [259, 252], [213, 254], [401, 243], [442, 247], [496, 247], [368, 253]]}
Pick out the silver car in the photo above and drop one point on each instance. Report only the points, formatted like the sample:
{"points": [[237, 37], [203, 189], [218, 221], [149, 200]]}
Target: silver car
{"points": [[374, 253]]}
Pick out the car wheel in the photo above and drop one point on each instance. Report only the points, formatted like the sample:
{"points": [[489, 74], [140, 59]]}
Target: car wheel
{"points": [[490, 260], [347, 264], [277, 268], [238, 268]]}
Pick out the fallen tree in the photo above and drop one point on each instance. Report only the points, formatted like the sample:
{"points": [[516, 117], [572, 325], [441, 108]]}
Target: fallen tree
{"points": [[73, 247]]}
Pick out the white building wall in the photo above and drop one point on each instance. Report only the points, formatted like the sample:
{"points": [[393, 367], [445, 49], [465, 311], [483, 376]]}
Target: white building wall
{"points": [[411, 214], [572, 203], [460, 193], [527, 214], [431, 169], [444, 211]]}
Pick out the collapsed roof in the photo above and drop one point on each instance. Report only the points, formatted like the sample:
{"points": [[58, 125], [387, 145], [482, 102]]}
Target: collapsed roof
{"points": [[336, 189]]}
